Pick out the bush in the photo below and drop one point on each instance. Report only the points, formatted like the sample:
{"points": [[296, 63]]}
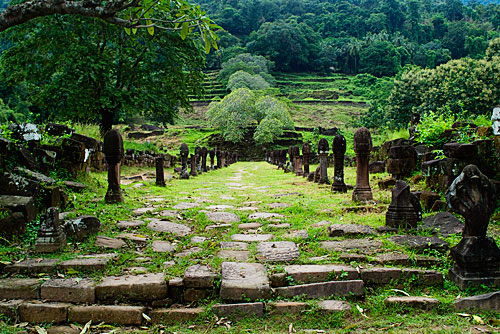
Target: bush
{"points": [[242, 79], [248, 63]]}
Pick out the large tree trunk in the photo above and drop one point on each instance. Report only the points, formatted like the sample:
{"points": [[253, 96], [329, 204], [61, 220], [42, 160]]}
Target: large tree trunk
{"points": [[107, 117]]}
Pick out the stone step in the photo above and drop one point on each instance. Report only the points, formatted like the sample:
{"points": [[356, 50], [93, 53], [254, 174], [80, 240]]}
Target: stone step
{"points": [[239, 310], [143, 288], [242, 281], [423, 303], [323, 290]]}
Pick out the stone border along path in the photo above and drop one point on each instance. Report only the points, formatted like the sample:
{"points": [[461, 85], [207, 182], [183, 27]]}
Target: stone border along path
{"points": [[124, 299]]}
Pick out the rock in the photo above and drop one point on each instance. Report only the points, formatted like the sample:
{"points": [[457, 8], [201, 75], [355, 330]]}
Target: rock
{"points": [[459, 150], [278, 226], [46, 312], [185, 206], [239, 310], [82, 227], [126, 224], [175, 315], [20, 288], [69, 290], [298, 234], [365, 246], [22, 204], [380, 275], [219, 207], [251, 237], [169, 227], [323, 290], [32, 266], [63, 330], [313, 273], [241, 281], [249, 226], [284, 307], [234, 245], [377, 167], [420, 243], [9, 308], [75, 186], [199, 276], [188, 252], [110, 243], [438, 206], [111, 314], [279, 251], [334, 306], [423, 277], [486, 302], [398, 259], [264, 216], [218, 227], [386, 183], [339, 230], [423, 303], [279, 205], [222, 217], [141, 211], [147, 287], [198, 240], [89, 264], [234, 255], [162, 246], [428, 198], [12, 225], [168, 213], [137, 239], [443, 223]]}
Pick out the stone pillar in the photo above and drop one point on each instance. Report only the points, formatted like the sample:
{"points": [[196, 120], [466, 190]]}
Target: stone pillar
{"points": [[282, 162], [113, 152], [197, 153], [298, 166], [193, 165], [184, 158], [476, 256], [223, 159], [362, 148], [405, 209], [306, 152], [218, 154], [204, 152], [212, 158], [160, 176], [51, 237], [323, 151], [338, 148]]}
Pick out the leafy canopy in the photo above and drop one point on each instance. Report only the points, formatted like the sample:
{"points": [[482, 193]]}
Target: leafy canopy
{"points": [[242, 109], [242, 79]]}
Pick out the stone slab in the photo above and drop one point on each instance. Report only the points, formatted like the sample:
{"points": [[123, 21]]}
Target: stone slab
{"points": [[423, 303], [160, 246], [239, 310], [222, 217], [278, 251], [146, 287], [122, 315], [234, 245], [234, 255], [85, 264], [20, 288], [249, 226], [279, 205], [218, 226], [32, 266], [219, 207], [186, 205], [349, 230], [285, 307], [423, 277], [486, 302], [110, 243], [364, 246], [169, 227], [175, 315], [126, 224], [297, 234], [188, 252], [334, 306], [199, 277], [316, 273], [420, 243], [443, 223], [43, 312], [9, 308], [242, 281], [380, 275], [138, 240], [323, 290], [264, 215], [142, 211], [251, 237], [77, 291]]}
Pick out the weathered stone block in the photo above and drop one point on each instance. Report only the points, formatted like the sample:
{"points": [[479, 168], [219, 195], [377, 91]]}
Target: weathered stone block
{"points": [[487, 302], [283, 307], [147, 287], [313, 273], [199, 276], [20, 288], [423, 303], [239, 310], [323, 290], [46, 312], [174, 315], [69, 290], [380, 275], [32, 266], [122, 315], [244, 280], [334, 306], [9, 309]]}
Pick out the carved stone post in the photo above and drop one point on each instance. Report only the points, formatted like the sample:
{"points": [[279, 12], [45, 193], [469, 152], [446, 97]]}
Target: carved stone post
{"points": [[184, 157], [323, 151], [113, 152], [193, 165], [197, 153], [405, 209], [362, 148], [212, 158], [204, 152], [306, 152], [160, 176], [338, 148], [51, 237], [476, 256]]}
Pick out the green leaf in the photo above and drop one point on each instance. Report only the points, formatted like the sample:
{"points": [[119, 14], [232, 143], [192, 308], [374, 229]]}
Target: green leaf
{"points": [[134, 31], [127, 31], [151, 30], [184, 30], [207, 45]]}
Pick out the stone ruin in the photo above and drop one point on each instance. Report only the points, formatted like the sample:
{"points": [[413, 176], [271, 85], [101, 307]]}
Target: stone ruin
{"points": [[323, 151], [362, 148], [193, 165], [197, 153], [204, 152], [51, 237], [184, 153], [218, 155], [160, 175], [476, 256], [402, 159], [113, 153], [339, 148], [306, 152], [212, 158], [405, 210]]}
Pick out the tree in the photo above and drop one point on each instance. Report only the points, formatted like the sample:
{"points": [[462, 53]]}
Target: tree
{"points": [[83, 69], [242, 109], [248, 63], [170, 15], [242, 79], [379, 59]]}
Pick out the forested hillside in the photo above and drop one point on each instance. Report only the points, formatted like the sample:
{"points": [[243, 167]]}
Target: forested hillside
{"points": [[365, 36]]}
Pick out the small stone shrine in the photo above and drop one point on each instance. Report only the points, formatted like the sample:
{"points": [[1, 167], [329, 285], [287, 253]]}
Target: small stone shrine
{"points": [[306, 152], [160, 176], [184, 158], [323, 151], [339, 148], [495, 119], [204, 152], [362, 148], [211, 153], [113, 153], [405, 209], [51, 237], [476, 256]]}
